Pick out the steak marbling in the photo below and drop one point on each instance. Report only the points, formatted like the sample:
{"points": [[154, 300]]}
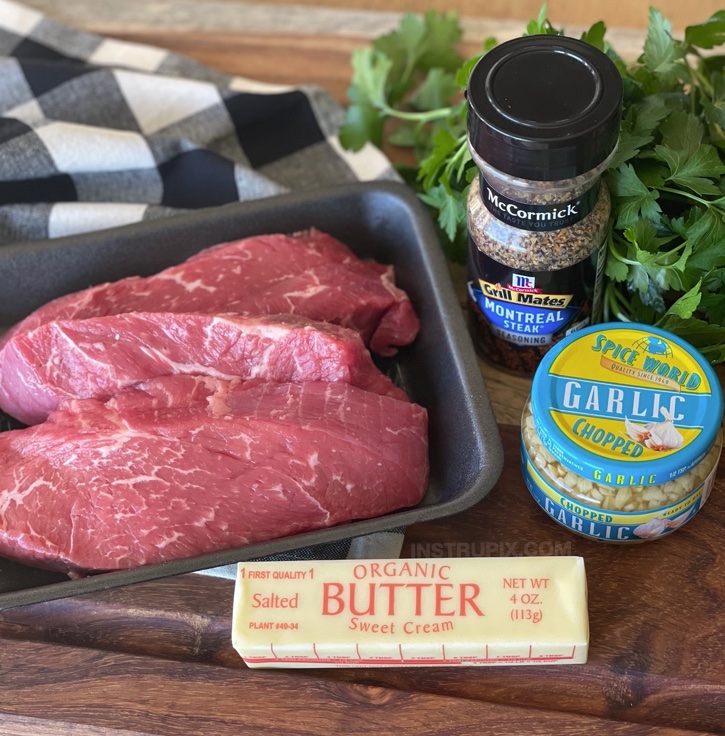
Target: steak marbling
{"points": [[184, 465], [309, 274], [97, 357]]}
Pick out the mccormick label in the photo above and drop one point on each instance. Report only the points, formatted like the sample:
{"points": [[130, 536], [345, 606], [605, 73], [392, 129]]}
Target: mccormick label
{"points": [[417, 612], [533, 309], [540, 217]]}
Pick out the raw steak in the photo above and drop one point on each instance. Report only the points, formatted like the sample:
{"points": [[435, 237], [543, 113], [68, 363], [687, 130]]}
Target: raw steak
{"points": [[310, 274], [185, 465], [95, 358]]}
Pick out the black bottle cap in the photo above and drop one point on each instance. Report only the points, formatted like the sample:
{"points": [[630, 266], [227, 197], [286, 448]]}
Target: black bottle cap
{"points": [[544, 107]]}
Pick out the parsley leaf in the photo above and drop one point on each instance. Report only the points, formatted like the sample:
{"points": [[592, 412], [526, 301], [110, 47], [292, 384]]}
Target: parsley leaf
{"points": [[595, 35], [686, 305], [437, 89], [708, 338], [708, 251], [682, 131], [709, 34], [662, 54], [363, 118], [541, 26], [692, 170], [636, 200], [666, 243], [649, 113]]}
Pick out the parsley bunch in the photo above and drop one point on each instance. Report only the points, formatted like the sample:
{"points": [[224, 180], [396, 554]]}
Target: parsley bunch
{"points": [[666, 242]]}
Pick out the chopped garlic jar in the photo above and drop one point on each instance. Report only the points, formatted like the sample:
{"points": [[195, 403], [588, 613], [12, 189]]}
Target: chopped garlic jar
{"points": [[621, 435]]}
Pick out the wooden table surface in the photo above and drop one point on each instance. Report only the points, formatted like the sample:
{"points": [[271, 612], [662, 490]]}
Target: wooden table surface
{"points": [[156, 658]]}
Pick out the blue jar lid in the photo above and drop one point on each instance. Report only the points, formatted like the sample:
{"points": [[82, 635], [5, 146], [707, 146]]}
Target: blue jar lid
{"points": [[626, 404]]}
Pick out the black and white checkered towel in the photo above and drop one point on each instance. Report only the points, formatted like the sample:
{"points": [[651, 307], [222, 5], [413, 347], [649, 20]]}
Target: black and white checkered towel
{"points": [[96, 133]]}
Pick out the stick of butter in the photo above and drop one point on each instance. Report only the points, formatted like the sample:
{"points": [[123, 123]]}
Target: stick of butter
{"points": [[373, 613]]}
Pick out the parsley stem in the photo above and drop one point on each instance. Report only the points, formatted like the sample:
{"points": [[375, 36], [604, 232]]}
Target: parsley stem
{"points": [[688, 195], [618, 256], [454, 160], [693, 91], [614, 304], [704, 81], [423, 117]]}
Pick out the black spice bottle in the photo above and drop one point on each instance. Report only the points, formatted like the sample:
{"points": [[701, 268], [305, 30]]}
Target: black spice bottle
{"points": [[543, 122]]}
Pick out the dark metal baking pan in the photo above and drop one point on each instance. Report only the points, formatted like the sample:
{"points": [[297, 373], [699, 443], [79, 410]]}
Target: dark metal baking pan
{"points": [[439, 370]]}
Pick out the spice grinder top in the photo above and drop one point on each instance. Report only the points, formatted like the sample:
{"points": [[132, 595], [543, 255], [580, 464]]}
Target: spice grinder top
{"points": [[544, 108]]}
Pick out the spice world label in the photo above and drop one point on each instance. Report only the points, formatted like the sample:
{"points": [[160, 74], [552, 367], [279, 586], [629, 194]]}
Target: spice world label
{"points": [[627, 405]]}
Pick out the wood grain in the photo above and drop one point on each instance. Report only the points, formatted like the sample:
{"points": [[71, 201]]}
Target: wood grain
{"points": [[156, 658], [61, 686], [656, 617], [631, 14], [214, 31], [265, 57], [338, 17]]}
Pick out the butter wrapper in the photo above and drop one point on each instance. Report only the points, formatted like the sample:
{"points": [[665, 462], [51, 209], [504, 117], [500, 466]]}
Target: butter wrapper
{"points": [[416, 612]]}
